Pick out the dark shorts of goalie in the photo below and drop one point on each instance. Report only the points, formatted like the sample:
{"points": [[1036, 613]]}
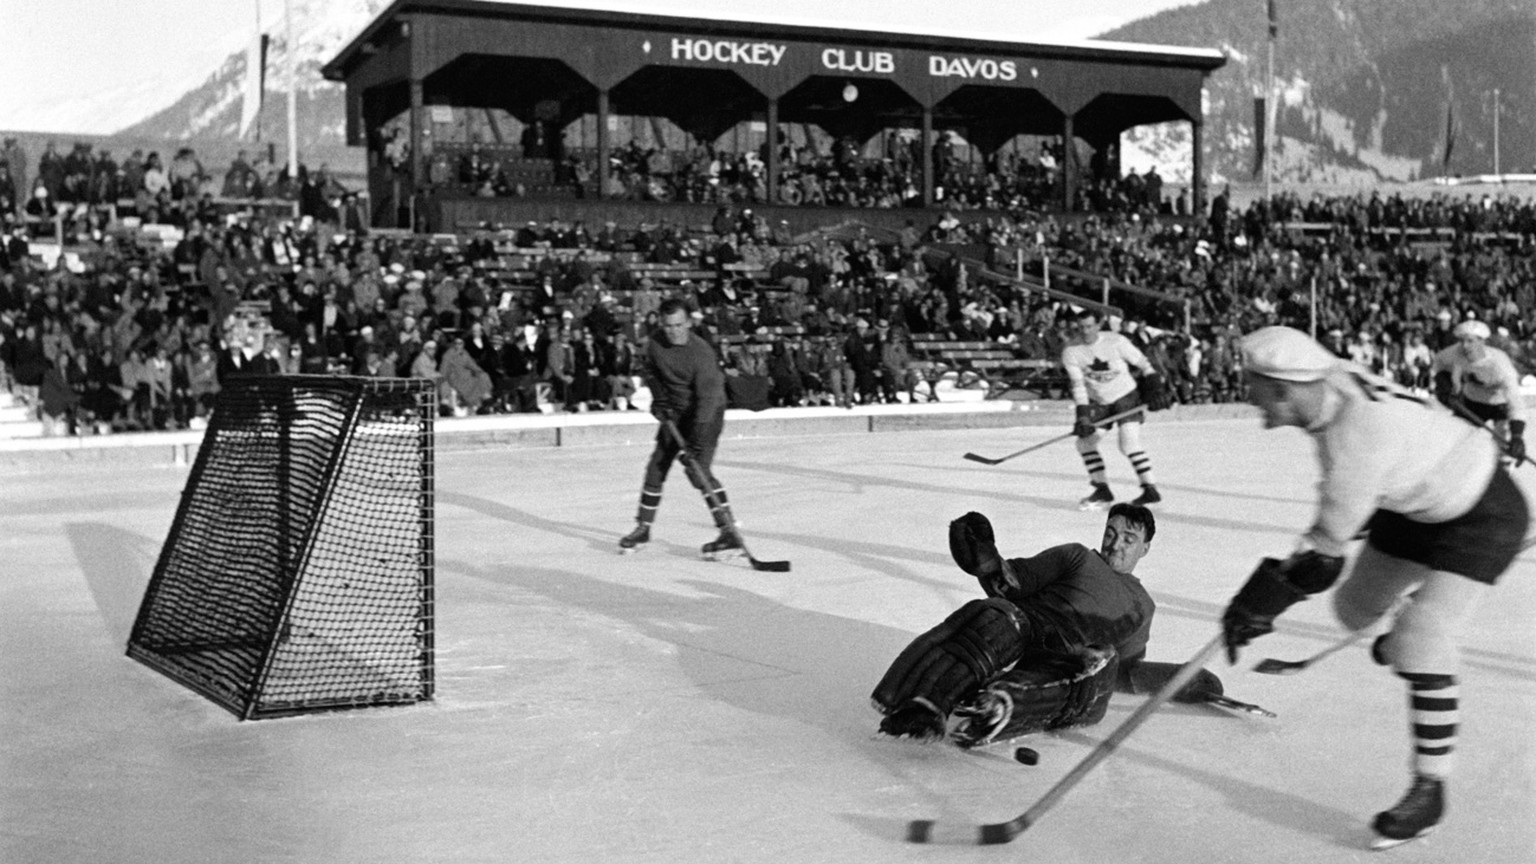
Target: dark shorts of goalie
{"points": [[1119, 406], [1045, 690], [1480, 544]]}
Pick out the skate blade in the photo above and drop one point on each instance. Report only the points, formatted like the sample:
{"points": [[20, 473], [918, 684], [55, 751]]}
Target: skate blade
{"points": [[630, 550], [1382, 844], [727, 555], [1092, 506]]}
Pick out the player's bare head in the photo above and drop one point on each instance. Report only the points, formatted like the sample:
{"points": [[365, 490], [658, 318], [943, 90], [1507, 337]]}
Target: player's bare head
{"points": [[675, 320], [1127, 536], [1286, 372], [1087, 324]]}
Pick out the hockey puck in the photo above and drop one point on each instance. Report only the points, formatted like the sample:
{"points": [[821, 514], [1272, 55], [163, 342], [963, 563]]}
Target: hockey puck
{"points": [[1026, 755]]}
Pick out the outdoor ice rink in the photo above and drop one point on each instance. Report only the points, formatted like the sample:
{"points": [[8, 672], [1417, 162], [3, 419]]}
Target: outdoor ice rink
{"points": [[595, 708]]}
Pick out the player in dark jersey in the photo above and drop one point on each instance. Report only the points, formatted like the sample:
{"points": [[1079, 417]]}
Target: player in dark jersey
{"points": [[687, 388], [1067, 601]]}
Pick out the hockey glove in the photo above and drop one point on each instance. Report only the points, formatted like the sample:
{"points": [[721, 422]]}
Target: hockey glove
{"points": [[1272, 588], [1515, 447], [1445, 390], [1084, 427], [974, 547], [1154, 393]]}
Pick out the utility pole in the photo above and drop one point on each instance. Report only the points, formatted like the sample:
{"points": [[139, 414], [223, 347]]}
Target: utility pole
{"points": [[1269, 103], [1496, 131], [293, 110]]}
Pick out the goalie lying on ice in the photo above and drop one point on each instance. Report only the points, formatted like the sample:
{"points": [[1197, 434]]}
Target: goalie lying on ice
{"points": [[1057, 634]]}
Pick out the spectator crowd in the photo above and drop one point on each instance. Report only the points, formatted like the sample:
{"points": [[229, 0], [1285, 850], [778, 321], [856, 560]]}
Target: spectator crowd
{"points": [[140, 334]]}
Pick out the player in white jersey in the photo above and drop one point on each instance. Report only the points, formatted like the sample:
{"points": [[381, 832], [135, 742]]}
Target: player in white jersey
{"points": [[1099, 366], [1482, 379], [1442, 521]]}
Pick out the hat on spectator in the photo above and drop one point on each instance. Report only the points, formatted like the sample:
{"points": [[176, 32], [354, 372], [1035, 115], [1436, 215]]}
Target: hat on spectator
{"points": [[1472, 330], [1286, 354]]}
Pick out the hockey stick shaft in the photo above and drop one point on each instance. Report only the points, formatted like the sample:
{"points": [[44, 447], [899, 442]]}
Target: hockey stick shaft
{"points": [[1114, 418], [701, 479], [927, 831], [1461, 410]]}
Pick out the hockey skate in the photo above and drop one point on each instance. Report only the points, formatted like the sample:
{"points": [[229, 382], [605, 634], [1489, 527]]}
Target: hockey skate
{"points": [[635, 540], [1099, 499], [727, 545], [1414, 816], [1148, 495]]}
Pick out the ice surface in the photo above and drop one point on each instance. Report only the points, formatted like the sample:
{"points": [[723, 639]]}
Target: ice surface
{"points": [[658, 708]]}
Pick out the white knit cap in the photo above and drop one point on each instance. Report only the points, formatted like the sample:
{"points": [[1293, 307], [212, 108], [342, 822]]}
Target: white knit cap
{"points": [[1473, 328], [1286, 354]]}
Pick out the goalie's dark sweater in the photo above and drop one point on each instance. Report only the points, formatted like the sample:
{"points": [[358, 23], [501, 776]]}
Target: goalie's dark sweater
{"points": [[1072, 597]]}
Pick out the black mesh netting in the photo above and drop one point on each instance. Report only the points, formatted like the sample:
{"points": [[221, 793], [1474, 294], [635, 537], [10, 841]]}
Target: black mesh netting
{"points": [[297, 575]]}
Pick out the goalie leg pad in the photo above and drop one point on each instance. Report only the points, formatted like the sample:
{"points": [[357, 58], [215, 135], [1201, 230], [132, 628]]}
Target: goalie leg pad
{"points": [[977, 641], [1044, 691]]}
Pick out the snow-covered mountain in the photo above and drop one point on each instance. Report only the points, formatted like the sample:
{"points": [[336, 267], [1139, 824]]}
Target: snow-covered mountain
{"points": [[211, 109], [1365, 86]]}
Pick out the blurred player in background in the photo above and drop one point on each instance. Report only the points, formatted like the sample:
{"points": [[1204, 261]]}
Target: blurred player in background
{"points": [[1098, 366], [1481, 379]]}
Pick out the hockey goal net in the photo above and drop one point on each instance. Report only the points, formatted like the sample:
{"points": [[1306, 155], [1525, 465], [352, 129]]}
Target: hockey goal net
{"points": [[297, 575]]}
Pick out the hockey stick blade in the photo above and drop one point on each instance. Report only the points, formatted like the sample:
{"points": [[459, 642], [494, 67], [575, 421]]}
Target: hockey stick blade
{"points": [[983, 460], [931, 831], [768, 566], [1245, 707]]}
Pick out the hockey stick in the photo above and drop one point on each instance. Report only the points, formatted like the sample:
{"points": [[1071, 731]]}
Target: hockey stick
{"points": [[1271, 666], [701, 480], [928, 831], [1001, 459], [1460, 409]]}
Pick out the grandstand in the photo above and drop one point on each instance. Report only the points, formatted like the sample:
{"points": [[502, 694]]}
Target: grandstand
{"points": [[568, 81]]}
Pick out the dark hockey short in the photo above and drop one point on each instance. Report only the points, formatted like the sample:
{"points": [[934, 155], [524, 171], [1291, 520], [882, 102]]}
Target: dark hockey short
{"points": [[1120, 406], [1480, 544], [1487, 412]]}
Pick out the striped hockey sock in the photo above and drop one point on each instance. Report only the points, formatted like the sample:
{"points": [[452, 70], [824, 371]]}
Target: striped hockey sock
{"points": [[1095, 465], [1433, 715], [720, 507], [1143, 465], [650, 499]]}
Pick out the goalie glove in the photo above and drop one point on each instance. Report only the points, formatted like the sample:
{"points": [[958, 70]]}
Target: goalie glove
{"points": [[1154, 392], [1274, 586]]}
